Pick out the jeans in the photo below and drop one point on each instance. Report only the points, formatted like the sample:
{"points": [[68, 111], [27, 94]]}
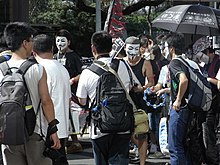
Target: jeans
{"points": [[154, 119], [177, 136], [210, 135], [112, 149]]}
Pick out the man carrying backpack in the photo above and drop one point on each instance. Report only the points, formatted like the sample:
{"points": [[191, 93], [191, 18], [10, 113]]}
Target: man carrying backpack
{"points": [[179, 113], [29, 151], [111, 147]]}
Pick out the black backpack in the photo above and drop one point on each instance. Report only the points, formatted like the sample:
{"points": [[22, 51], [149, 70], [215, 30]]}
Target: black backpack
{"points": [[199, 89], [17, 116], [111, 111]]}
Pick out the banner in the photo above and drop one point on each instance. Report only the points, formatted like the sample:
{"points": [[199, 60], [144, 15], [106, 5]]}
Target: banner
{"points": [[115, 24]]}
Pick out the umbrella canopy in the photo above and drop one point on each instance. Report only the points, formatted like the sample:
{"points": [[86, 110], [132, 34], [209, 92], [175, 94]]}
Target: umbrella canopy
{"points": [[190, 19]]}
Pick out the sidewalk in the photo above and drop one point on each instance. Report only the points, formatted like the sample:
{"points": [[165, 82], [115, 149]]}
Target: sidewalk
{"points": [[86, 157]]}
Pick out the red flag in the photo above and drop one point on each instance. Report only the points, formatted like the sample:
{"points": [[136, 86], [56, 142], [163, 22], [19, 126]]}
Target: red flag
{"points": [[115, 24]]}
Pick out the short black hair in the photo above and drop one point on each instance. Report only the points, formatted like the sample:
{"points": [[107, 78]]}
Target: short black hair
{"points": [[102, 41], [16, 32], [156, 52], [43, 43], [176, 40], [144, 39], [64, 33]]}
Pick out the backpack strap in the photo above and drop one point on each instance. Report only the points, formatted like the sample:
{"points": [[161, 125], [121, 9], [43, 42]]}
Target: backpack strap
{"points": [[4, 58], [97, 70], [25, 66], [4, 67], [183, 61], [129, 71], [107, 68]]}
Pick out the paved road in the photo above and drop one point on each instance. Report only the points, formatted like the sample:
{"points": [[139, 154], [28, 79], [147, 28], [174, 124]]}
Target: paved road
{"points": [[86, 157]]}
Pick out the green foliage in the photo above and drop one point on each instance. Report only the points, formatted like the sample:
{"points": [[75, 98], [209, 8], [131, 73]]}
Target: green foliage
{"points": [[64, 14], [80, 24], [136, 24], [46, 12]]}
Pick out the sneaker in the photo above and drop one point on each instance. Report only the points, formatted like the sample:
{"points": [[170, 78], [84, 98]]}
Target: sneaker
{"points": [[134, 151], [153, 148], [74, 148], [156, 155]]}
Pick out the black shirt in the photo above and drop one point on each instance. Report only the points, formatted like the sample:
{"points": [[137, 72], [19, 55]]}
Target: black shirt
{"points": [[73, 65], [176, 67]]}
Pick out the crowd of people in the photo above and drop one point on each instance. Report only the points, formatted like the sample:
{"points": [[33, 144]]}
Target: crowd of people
{"points": [[145, 63]]}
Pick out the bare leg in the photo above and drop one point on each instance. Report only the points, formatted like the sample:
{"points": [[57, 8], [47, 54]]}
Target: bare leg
{"points": [[142, 149]]}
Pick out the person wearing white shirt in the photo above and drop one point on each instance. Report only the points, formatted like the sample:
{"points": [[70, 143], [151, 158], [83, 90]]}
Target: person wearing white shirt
{"points": [[108, 148], [218, 78], [58, 86]]}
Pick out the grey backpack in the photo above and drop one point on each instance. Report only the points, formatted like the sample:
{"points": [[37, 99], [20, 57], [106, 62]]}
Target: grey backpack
{"points": [[17, 116]]}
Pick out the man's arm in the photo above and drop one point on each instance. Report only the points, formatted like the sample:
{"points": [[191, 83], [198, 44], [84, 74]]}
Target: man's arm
{"points": [[218, 85], [47, 106], [74, 79], [212, 80], [157, 87], [82, 101], [218, 79], [148, 73], [183, 84]]}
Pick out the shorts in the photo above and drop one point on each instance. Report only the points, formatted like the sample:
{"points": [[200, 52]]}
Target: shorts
{"points": [[141, 136]]}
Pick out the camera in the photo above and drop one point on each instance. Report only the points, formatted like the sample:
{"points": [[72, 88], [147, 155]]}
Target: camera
{"points": [[53, 154]]}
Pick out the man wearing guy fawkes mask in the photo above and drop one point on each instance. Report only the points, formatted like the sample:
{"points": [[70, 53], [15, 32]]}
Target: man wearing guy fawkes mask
{"points": [[67, 57], [143, 71], [142, 68]]}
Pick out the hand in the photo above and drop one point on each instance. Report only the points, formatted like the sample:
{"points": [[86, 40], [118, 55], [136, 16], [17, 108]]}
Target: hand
{"points": [[160, 92], [152, 89], [56, 142], [137, 88], [209, 79], [72, 81], [176, 105]]}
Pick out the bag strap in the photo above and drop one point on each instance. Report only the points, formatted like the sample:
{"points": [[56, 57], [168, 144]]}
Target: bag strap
{"points": [[184, 62], [4, 67], [129, 71], [4, 58], [25, 66], [107, 68]]}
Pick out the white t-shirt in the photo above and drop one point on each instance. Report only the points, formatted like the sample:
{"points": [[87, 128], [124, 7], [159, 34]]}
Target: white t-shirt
{"points": [[87, 87], [60, 92], [164, 76], [218, 75]]}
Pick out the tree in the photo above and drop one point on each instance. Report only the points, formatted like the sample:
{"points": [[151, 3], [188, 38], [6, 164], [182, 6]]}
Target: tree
{"points": [[78, 16]]}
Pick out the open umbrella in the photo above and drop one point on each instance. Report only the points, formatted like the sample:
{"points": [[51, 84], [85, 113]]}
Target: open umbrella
{"points": [[190, 19]]}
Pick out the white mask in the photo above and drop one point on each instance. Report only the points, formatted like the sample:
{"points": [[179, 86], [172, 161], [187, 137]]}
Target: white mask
{"points": [[132, 50], [201, 57], [61, 42], [166, 51], [205, 59], [147, 55]]}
